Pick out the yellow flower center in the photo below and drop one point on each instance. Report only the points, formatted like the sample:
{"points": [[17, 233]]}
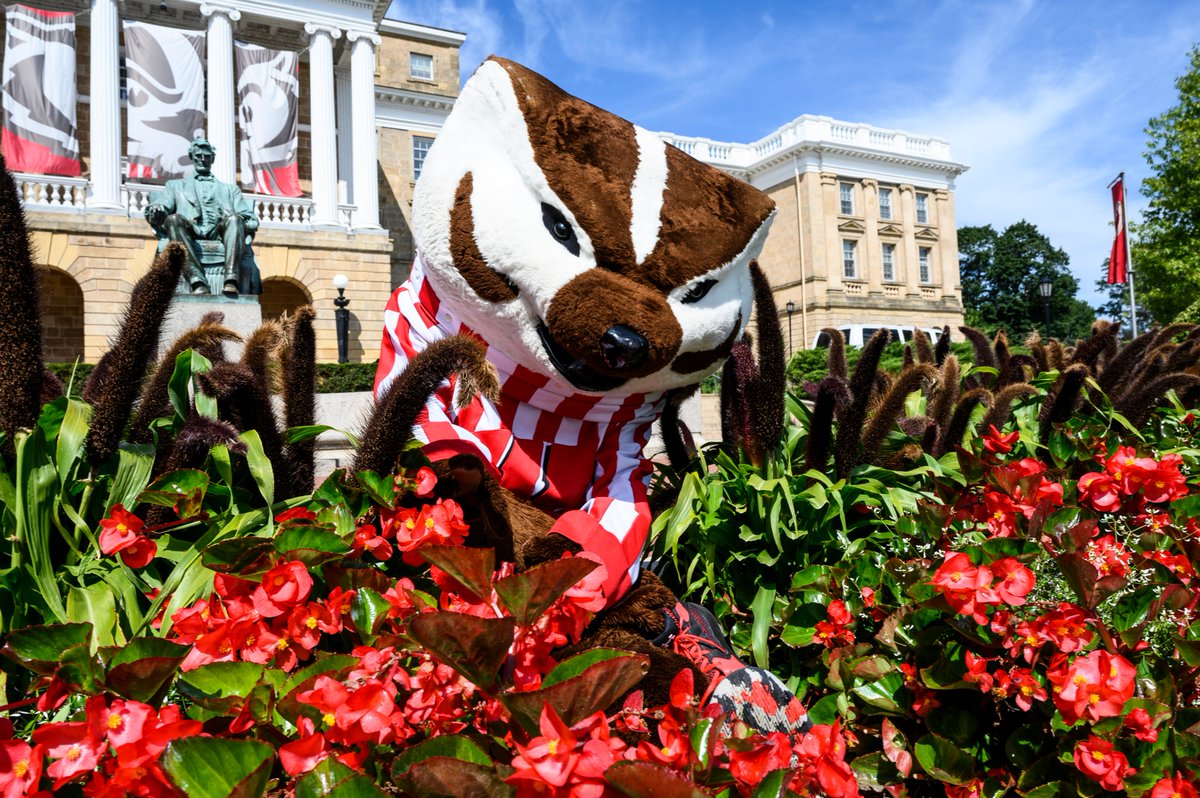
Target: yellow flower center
{"points": [[1098, 756], [1026, 689], [122, 528], [552, 747], [1079, 680], [429, 523], [278, 580], [1093, 699], [21, 768], [73, 753], [328, 718], [311, 622], [114, 721], [410, 523], [956, 576], [282, 644]]}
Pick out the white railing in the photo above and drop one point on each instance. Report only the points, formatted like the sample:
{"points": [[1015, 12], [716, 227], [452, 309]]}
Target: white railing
{"points": [[769, 146], [137, 197], [51, 191], [283, 211]]}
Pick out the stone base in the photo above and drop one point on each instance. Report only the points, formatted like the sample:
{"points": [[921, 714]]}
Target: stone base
{"points": [[243, 315]]}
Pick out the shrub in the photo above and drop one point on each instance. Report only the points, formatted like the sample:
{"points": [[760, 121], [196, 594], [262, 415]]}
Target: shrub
{"points": [[345, 377]]}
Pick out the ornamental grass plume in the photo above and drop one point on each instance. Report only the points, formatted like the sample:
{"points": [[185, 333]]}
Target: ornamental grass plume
{"points": [[945, 395], [1059, 403], [1000, 347], [941, 349], [244, 401], [985, 355], [21, 368], [736, 374], [923, 346], [889, 410], [113, 385], [299, 391], [850, 424], [155, 401], [259, 353], [831, 394], [1002, 404], [765, 394], [396, 411], [677, 438], [837, 352], [952, 435]]}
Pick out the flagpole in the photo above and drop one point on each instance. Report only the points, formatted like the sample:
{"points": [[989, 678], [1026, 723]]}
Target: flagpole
{"points": [[1129, 259]]}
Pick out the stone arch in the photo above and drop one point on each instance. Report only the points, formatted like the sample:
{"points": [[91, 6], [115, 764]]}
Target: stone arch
{"points": [[62, 309], [282, 295]]}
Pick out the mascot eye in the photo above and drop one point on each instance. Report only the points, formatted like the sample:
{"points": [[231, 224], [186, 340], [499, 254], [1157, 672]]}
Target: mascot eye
{"points": [[560, 228], [698, 292]]}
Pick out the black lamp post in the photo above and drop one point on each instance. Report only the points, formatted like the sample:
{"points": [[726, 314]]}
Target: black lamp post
{"points": [[1046, 288], [342, 317], [791, 308]]}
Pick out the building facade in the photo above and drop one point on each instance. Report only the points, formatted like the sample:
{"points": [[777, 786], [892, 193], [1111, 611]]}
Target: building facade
{"points": [[90, 235], [865, 231]]}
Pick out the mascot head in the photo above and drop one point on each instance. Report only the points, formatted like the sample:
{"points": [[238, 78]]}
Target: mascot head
{"points": [[581, 245]]}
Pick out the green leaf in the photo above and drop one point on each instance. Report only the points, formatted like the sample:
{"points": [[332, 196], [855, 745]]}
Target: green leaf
{"points": [[527, 595], [260, 466], [943, 760], [310, 545], [471, 568], [71, 436], [773, 786], [134, 463], [139, 670], [331, 779], [380, 488], [368, 610], [576, 698], [956, 725], [182, 490], [40, 648], [475, 647], [310, 431], [333, 665], [220, 685], [37, 485], [454, 746], [239, 556], [211, 767], [579, 663], [95, 605], [881, 693], [648, 780], [762, 610]]}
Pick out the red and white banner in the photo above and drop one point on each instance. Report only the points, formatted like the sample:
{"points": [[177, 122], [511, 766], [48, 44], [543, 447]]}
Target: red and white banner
{"points": [[39, 92], [164, 70], [1118, 259], [268, 92]]}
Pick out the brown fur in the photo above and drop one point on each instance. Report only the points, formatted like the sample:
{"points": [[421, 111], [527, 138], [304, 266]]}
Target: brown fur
{"points": [[483, 279]]}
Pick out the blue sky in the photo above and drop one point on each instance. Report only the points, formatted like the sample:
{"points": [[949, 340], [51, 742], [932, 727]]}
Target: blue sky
{"points": [[1045, 100]]}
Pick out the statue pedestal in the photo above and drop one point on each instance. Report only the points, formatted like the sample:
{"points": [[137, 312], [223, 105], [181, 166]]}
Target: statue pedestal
{"points": [[243, 315]]}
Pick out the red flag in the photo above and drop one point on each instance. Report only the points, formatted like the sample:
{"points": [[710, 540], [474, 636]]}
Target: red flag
{"points": [[1118, 259]]}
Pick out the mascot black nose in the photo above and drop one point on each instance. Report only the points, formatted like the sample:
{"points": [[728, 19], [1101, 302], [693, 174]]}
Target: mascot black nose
{"points": [[623, 347]]}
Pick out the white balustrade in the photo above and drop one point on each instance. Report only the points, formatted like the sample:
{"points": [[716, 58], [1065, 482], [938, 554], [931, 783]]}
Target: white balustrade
{"points": [[51, 191]]}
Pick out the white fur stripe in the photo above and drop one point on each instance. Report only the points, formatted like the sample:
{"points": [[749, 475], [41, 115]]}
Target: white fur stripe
{"points": [[649, 183]]}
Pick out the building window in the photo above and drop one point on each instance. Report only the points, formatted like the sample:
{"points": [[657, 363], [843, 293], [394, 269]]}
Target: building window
{"points": [[923, 264], [922, 209], [420, 66], [420, 149], [849, 261], [847, 192], [885, 203], [889, 262]]}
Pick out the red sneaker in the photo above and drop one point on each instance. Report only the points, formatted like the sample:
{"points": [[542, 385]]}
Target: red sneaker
{"points": [[755, 696]]}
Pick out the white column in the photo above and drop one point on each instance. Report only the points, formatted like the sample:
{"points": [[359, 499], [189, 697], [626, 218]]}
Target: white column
{"points": [[104, 90], [322, 117], [362, 102], [222, 104], [345, 139]]}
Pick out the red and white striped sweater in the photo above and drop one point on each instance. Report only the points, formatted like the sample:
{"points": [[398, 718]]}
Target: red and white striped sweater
{"points": [[575, 456]]}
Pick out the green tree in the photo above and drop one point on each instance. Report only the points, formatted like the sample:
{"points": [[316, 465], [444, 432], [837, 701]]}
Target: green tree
{"points": [[1001, 275], [1167, 250]]}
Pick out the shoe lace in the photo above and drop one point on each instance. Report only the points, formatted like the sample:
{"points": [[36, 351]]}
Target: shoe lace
{"points": [[697, 649]]}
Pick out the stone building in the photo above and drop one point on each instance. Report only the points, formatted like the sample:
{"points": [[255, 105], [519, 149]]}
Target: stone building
{"points": [[89, 232], [865, 230]]}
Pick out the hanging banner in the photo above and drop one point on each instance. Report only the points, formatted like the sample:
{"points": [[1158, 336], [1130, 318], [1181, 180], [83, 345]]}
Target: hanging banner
{"points": [[268, 92], [165, 78], [39, 92], [1118, 258]]}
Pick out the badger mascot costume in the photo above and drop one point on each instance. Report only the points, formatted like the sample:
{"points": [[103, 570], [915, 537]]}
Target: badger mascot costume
{"points": [[602, 270]]}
